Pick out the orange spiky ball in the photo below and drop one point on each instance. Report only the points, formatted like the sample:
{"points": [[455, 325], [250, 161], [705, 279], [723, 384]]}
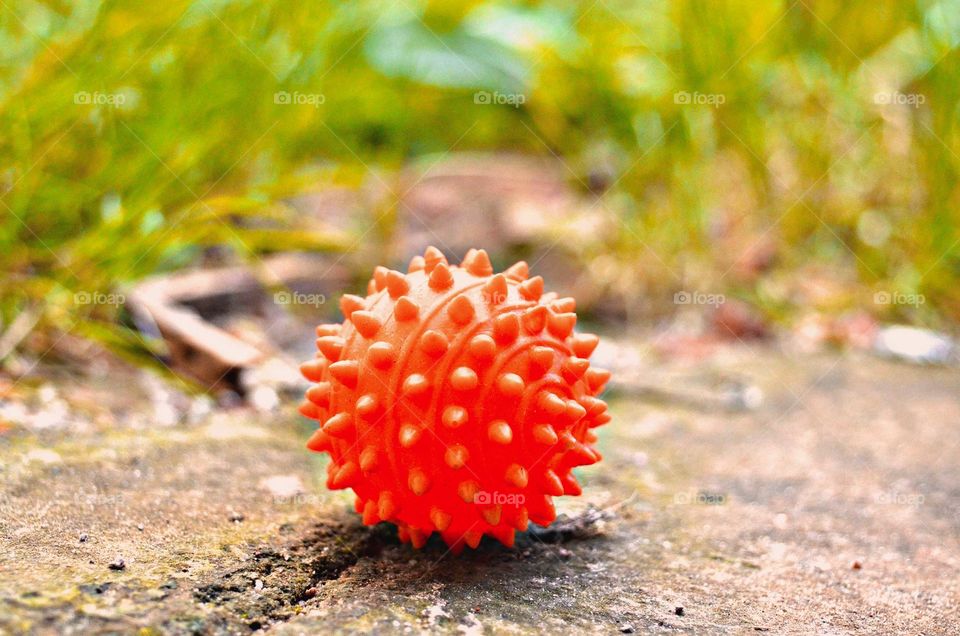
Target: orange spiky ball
{"points": [[456, 400]]}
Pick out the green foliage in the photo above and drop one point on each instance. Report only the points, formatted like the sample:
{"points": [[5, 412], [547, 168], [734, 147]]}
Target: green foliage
{"points": [[132, 135]]}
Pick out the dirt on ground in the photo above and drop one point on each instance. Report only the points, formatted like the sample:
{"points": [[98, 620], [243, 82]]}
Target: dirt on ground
{"points": [[828, 502]]}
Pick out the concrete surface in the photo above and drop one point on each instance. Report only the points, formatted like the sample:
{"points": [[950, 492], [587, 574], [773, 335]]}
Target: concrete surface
{"points": [[832, 508]]}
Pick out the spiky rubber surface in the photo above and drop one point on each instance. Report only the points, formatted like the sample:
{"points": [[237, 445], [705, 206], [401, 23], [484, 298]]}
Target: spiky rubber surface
{"points": [[455, 400]]}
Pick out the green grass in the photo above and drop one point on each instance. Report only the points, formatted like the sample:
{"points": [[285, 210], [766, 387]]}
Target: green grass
{"points": [[132, 137]]}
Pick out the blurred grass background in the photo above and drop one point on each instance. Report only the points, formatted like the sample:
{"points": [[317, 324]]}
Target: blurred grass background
{"points": [[128, 132]]}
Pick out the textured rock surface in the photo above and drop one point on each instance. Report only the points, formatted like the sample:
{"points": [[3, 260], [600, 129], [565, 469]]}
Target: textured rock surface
{"points": [[831, 508]]}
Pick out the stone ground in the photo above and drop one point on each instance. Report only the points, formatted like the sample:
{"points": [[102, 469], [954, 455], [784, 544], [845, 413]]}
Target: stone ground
{"points": [[832, 507]]}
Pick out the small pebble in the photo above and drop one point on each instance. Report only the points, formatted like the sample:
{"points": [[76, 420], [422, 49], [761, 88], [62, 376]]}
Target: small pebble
{"points": [[83, 537], [117, 564], [678, 611], [626, 629], [564, 553], [258, 585], [47, 394], [857, 565], [229, 399], [140, 527], [780, 521], [236, 517], [264, 399], [310, 592]]}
